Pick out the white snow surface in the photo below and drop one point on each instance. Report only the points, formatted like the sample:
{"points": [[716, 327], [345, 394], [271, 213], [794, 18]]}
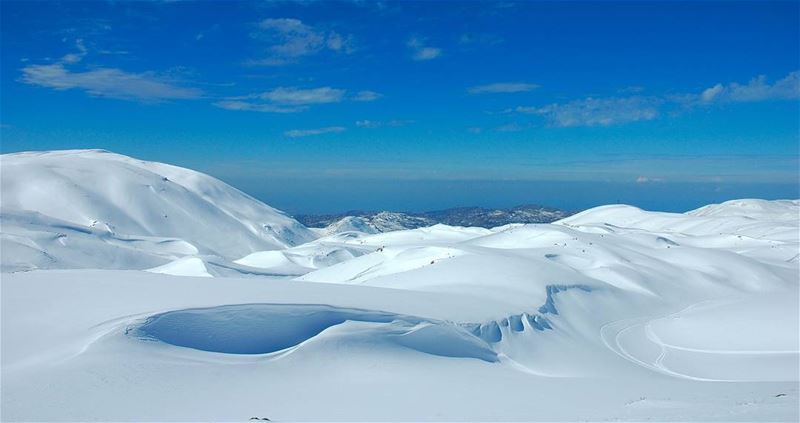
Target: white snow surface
{"points": [[615, 313], [96, 209]]}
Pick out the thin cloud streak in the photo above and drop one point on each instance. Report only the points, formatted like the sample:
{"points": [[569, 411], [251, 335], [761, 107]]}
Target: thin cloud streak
{"points": [[599, 111], [104, 81], [257, 107], [371, 124], [502, 87], [292, 99], [297, 133], [108, 82], [297, 96], [366, 96], [611, 111]]}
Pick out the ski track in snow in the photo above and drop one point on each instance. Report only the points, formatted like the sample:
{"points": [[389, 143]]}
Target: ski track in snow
{"points": [[612, 332]]}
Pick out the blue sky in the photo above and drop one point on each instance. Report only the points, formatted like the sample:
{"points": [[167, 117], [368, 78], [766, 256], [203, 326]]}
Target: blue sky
{"points": [[320, 106]]}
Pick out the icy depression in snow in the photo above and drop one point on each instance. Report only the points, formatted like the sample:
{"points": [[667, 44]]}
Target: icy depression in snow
{"points": [[267, 328]]}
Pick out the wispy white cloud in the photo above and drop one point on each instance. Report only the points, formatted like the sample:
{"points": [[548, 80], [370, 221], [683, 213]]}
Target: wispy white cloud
{"points": [[291, 95], [291, 39], [257, 107], [338, 42], [297, 133], [71, 58], [510, 127], [380, 124], [292, 99], [522, 109], [502, 87], [757, 89], [518, 109], [106, 82], [420, 51], [113, 52], [608, 111], [367, 96], [598, 111], [648, 179]]}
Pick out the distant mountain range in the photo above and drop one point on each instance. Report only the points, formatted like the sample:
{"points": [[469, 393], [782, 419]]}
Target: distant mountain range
{"points": [[385, 221]]}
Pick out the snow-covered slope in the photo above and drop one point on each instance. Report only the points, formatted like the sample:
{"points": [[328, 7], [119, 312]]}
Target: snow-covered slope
{"points": [[385, 221], [615, 264], [752, 208], [96, 209], [615, 313], [349, 224]]}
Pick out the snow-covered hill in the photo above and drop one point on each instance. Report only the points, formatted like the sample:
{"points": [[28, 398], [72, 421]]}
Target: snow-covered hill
{"points": [[369, 223], [96, 209], [615, 313], [385, 221]]}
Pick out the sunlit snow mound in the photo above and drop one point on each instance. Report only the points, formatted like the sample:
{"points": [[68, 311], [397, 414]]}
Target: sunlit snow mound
{"points": [[96, 209]]}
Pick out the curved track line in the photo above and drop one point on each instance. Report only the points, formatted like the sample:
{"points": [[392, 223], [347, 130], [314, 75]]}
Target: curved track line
{"points": [[651, 335], [657, 365]]}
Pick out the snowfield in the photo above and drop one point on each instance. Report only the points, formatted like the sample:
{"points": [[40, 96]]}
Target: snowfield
{"points": [[141, 291]]}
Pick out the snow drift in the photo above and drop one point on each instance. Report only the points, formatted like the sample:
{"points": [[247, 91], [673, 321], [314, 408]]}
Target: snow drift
{"points": [[268, 328]]}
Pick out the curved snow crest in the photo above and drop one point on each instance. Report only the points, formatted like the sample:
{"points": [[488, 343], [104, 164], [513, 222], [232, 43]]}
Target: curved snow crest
{"points": [[751, 217], [186, 266], [492, 331], [271, 328], [303, 258], [750, 207], [281, 328], [129, 197]]}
